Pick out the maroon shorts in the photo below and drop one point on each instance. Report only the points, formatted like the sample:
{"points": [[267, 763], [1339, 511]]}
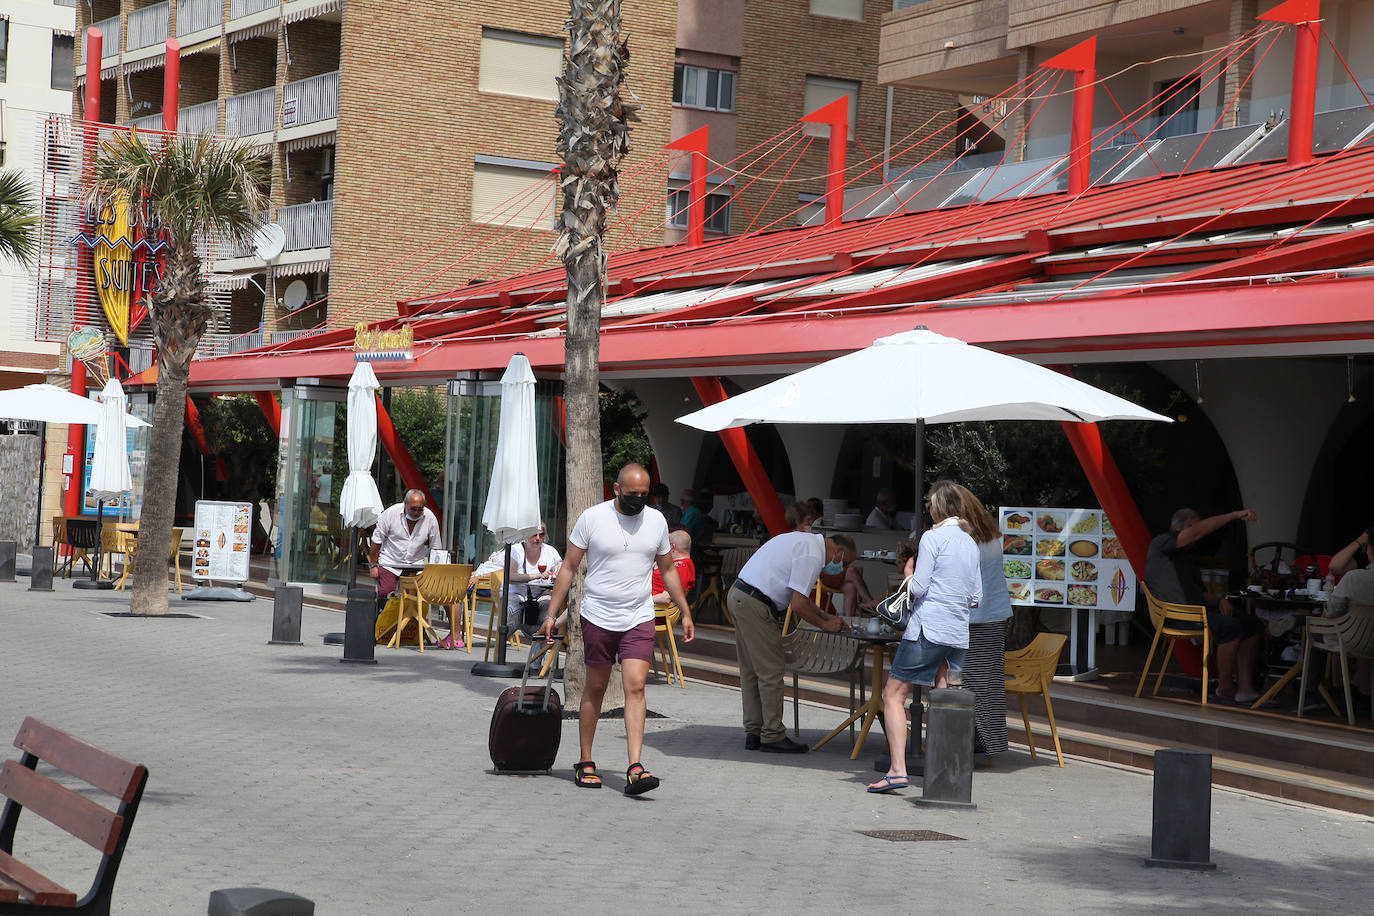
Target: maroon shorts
{"points": [[602, 647]]}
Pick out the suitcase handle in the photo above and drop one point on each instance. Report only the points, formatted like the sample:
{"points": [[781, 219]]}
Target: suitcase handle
{"points": [[550, 642]]}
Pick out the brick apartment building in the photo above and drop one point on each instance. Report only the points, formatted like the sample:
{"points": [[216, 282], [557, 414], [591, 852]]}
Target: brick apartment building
{"points": [[401, 131]]}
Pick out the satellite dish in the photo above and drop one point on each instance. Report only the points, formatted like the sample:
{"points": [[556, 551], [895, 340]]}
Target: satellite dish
{"points": [[269, 241], [295, 294]]}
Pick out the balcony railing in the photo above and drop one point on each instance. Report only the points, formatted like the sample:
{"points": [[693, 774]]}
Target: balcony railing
{"points": [[250, 113], [148, 26], [198, 120], [109, 32], [70, 3], [239, 8], [313, 99], [194, 15], [148, 122], [307, 225]]}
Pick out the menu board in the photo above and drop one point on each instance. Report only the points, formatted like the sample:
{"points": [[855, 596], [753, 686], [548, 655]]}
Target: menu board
{"points": [[1065, 558], [222, 541]]}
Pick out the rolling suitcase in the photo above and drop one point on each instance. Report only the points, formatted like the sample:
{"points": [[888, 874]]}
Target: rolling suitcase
{"points": [[527, 724]]}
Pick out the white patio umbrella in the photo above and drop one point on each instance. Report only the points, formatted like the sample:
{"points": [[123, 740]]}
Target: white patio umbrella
{"points": [[512, 511], [919, 377], [110, 477], [50, 404], [360, 503]]}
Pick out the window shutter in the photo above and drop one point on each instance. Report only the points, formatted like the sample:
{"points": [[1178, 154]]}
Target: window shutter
{"points": [[512, 196], [822, 91], [519, 65], [839, 9]]}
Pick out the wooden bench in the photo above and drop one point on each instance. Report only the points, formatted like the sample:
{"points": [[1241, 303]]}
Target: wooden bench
{"points": [[24, 890]]}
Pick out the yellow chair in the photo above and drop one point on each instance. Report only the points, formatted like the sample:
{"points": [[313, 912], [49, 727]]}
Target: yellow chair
{"points": [[1174, 622], [439, 584], [1030, 670], [124, 539], [666, 658], [495, 580]]}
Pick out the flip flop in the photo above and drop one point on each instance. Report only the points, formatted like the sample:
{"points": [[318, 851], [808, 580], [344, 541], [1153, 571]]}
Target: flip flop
{"points": [[890, 783]]}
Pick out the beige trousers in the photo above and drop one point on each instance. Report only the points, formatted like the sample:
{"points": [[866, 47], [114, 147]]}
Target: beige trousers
{"points": [[758, 643]]}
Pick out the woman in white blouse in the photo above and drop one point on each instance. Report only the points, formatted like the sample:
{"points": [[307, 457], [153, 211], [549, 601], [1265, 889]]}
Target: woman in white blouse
{"points": [[533, 566], [946, 584]]}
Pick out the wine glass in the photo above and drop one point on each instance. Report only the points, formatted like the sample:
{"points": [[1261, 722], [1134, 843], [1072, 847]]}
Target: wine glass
{"points": [[542, 567]]}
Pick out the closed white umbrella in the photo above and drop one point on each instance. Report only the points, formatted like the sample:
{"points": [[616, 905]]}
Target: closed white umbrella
{"points": [[360, 503], [512, 510], [50, 404], [110, 477]]}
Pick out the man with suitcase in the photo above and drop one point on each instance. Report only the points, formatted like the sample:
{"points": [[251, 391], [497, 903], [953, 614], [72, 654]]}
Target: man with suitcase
{"points": [[622, 542]]}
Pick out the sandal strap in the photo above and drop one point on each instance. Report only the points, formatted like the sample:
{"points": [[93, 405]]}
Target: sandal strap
{"points": [[630, 773]]}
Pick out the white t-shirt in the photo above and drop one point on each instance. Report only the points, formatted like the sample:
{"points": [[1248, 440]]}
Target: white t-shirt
{"points": [[787, 563], [621, 551], [548, 556]]}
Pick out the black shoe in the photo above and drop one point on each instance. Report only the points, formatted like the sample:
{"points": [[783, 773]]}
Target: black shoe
{"points": [[784, 745], [751, 741]]}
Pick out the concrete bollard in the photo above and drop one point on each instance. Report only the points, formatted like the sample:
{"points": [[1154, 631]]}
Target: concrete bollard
{"points": [[286, 615], [9, 555], [40, 579], [258, 901], [360, 627], [1181, 835], [948, 779]]}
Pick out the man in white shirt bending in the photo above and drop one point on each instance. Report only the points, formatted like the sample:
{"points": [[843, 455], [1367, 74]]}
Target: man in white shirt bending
{"points": [[622, 541]]}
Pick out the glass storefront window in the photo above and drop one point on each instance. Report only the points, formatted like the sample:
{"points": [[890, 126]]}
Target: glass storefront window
{"points": [[474, 419], [314, 436]]}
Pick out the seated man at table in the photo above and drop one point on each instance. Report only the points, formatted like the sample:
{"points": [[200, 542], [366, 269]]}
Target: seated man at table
{"points": [[680, 543], [884, 514], [1172, 576], [401, 542], [1355, 587], [660, 498]]}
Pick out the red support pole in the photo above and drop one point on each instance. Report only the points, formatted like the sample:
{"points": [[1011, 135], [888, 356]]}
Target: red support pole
{"points": [[746, 461], [1111, 491], [76, 433], [696, 144], [836, 115], [400, 456], [270, 409], [1305, 16], [1082, 60], [171, 86], [197, 429]]}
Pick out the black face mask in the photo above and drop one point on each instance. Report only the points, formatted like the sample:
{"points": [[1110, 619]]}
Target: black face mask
{"points": [[631, 503]]}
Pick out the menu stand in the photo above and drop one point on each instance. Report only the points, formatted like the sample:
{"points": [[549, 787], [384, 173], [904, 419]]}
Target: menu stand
{"points": [[1082, 663]]}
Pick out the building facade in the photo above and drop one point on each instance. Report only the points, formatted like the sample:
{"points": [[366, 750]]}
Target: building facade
{"points": [[35, 83]]}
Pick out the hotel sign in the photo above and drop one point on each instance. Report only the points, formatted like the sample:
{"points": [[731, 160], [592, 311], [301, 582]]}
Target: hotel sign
{"points": [[396, 344], [125, 243]]}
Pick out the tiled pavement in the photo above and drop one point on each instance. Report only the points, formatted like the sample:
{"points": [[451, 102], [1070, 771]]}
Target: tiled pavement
{"points": [[368, 789]]}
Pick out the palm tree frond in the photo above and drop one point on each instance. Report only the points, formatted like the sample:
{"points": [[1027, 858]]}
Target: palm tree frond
{"points": [[18, 218]]}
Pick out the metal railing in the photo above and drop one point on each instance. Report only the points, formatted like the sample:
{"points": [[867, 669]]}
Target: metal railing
{"points": [[148, 122], [198, 120], [148, 26], [315, 98], [70, 3], [239, 8], [194, 15], [109, 31], [250, 113], [307, 225]]}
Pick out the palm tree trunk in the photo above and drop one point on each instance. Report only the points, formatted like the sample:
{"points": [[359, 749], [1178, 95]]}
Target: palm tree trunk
{"points": [[593, 139], [179, 318]]}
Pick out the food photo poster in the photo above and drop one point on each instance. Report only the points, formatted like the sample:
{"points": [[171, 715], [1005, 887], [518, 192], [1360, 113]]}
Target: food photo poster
{"points": [[1065, 558]]}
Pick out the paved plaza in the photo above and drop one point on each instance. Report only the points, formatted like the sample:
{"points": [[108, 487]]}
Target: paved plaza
{"points": [[369, 790]]}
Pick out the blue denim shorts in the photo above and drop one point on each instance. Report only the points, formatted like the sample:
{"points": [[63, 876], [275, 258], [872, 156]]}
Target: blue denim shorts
{"points": [[917, 660]]}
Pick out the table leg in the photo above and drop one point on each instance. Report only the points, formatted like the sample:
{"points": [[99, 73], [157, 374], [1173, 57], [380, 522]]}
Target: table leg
{"points": [[874, 708], [1281, 683], [865, 710]]}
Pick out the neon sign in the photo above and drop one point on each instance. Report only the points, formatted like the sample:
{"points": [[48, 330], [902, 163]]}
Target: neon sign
{"points": [[125, 242], [395, 344]]}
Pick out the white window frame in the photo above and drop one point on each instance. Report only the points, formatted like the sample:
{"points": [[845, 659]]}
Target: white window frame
{"points": [[512, 220], [703, 87]]}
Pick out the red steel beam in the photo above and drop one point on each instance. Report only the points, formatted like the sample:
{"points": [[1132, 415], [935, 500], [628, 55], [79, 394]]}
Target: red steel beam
{"points": [[270, 409], [697, 144], [1082, 60], [746, 460], [1305, 16]]}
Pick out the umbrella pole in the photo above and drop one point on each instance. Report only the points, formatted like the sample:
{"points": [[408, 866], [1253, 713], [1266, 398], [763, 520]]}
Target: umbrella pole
{"points": [[95, 581], [500, 667], [351, 542], [920, 467]]}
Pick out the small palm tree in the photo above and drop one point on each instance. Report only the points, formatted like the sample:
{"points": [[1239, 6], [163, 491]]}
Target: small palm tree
{"points": [[18, 218], [199, 190]]}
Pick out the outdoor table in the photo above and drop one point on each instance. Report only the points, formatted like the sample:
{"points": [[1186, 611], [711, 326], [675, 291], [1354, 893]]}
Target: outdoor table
{"points": [[1301, 607], [873, 709]]}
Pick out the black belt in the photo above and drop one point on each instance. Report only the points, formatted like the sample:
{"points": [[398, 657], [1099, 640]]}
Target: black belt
{"points": [[758, 593]]}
